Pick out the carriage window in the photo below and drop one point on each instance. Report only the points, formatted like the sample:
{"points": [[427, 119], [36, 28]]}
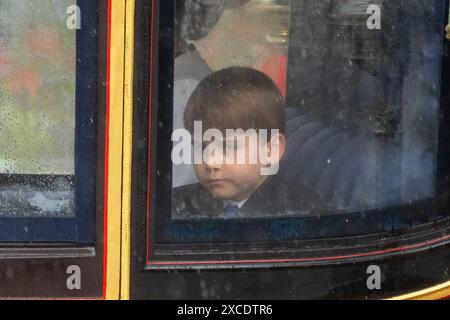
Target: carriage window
{"points": [[298, 120], [47, 119]]}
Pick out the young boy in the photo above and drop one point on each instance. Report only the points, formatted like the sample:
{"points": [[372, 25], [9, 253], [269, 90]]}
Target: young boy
{"points": [[246, 99]]}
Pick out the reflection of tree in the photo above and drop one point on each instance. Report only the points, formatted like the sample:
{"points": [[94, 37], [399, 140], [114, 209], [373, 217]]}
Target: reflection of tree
{"points": [[240, 37]]}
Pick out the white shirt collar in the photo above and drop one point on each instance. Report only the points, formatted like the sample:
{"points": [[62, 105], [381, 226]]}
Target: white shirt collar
{"points": [[239, 204]]}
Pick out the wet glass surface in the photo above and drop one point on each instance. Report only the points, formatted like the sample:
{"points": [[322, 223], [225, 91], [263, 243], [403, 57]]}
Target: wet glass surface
{"points": [[37, 196], [37, 91], [37, 108]]}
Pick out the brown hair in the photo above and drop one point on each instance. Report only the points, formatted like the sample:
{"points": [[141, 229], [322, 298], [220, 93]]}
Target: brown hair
{"points": [[236, 98]]}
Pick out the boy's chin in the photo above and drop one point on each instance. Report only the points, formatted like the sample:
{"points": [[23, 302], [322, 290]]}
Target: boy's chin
{"points": [[220, 195]]}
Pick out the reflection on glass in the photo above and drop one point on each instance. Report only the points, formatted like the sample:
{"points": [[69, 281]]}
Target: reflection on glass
{"points": [[243, 37], [374, 98], [37, 108]]}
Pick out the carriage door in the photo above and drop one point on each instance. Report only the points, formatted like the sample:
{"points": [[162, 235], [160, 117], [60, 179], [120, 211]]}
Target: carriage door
{"points": [[52, 145], [365, 85]]}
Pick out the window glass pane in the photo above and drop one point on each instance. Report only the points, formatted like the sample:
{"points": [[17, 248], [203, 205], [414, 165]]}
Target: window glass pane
{"points": [[48, 105], [37, 115], [360, 87], [37, 91]]}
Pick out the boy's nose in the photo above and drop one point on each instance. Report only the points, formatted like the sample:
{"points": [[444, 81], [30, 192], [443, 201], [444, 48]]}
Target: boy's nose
{"points": [[213, 162], [212, 165]]}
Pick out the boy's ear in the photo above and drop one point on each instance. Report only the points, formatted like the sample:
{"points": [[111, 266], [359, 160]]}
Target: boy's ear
{"points": [[277, 148]]}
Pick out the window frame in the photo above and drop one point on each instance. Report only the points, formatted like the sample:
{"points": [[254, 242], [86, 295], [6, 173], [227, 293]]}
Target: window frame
{"points": [[378, 241]]}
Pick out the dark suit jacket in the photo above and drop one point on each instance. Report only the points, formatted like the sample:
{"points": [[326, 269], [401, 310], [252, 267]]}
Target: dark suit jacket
{"points": [[272, 199]]}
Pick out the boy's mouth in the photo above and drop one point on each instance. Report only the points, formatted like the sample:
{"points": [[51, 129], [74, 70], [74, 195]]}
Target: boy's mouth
{"points": [[215, 183]]}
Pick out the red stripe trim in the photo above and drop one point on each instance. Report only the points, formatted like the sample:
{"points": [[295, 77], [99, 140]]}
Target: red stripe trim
{"points": [[445, 298], [333, 258]]}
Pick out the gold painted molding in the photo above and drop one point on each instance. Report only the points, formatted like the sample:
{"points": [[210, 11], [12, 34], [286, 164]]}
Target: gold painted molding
{"points": [[127, 149], [116, 115], [120, 160], [434, 293]]}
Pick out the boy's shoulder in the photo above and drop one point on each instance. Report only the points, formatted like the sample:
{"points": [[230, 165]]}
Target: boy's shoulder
{"points": [[194, 202], [272, 199], [304, 201], [275, 199]]}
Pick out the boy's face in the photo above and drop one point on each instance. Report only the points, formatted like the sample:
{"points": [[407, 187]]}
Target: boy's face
{"points": [[236, 181]]}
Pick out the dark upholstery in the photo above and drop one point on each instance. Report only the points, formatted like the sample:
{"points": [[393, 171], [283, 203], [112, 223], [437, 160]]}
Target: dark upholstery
{"points": [[340, 164]]}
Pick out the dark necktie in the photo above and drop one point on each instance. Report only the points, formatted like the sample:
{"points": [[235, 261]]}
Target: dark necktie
{"points": [[230, 211]]}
